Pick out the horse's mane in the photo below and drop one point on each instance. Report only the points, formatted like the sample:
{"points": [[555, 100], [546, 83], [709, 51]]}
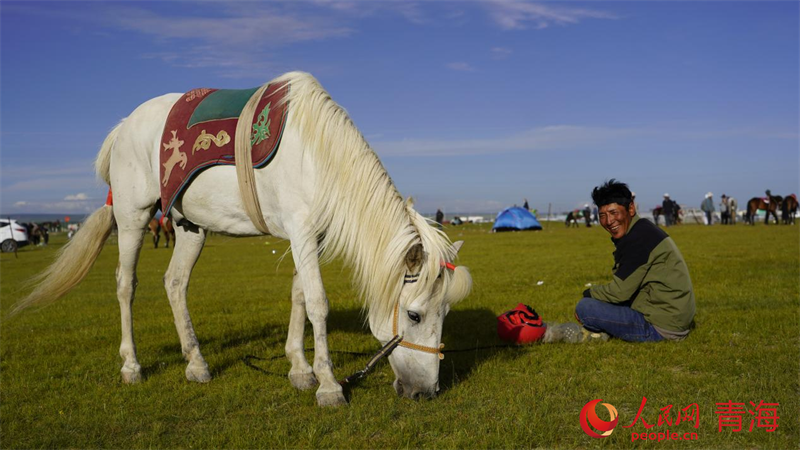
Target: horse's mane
{"points": [[358, 213]]}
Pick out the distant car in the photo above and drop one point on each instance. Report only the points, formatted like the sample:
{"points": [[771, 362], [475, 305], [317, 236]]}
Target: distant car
{"points": [[12, 235]]}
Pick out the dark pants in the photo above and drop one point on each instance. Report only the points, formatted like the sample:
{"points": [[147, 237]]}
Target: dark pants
{"points": [[619, 321], [710, 218]]}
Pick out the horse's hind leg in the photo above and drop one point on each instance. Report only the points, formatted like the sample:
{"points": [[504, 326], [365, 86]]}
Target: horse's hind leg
{"points": [[301, 374], [131, 227], [176, 281]]}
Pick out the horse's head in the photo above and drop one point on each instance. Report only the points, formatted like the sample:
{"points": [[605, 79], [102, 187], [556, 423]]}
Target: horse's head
{"points": [[430, 287]]}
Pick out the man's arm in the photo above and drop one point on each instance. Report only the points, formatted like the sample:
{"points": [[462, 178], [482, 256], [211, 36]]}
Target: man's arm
{"points": [[619, 290]]}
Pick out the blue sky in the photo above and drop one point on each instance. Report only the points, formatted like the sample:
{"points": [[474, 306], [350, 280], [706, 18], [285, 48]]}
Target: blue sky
{"points": [[472, 106]]}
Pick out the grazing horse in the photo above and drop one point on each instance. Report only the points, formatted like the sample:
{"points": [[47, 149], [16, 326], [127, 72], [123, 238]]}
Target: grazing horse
{"points": [[757, 203], [325, 191], [156, 225], [789, 209]]}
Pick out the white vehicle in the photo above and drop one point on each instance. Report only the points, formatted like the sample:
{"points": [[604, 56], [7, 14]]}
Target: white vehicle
{"points": [[12, 235]]}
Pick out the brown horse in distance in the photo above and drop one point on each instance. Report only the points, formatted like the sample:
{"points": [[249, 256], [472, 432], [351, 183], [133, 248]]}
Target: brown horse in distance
{"points": [[757, 203], [789, 209], [155, 227]]}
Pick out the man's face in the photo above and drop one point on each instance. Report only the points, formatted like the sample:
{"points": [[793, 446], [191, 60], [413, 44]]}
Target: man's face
{"points": [[616, 219]]}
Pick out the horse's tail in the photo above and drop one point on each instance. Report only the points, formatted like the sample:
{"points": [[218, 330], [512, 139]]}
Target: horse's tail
{"points": [[102, 164], [75, 259], [72, 262]]}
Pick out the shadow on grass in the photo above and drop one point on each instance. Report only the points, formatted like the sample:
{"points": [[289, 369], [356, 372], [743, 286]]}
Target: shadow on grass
{"points": [[471, 339]]}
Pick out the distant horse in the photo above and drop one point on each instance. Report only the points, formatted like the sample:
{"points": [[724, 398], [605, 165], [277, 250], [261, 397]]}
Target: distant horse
{"points": [[658, 211], [326, 191], [757, 203], [789, 209], [155, 227], [572, 219]]}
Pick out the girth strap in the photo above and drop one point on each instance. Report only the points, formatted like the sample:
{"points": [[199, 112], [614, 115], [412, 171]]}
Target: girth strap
{"points": [[245, 173]]}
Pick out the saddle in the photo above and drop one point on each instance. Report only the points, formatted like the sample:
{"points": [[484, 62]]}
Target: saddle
{"points": [[200, 130]]}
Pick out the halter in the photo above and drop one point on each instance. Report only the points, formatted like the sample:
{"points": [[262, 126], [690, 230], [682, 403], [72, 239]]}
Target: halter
{"points": [[403, 343]]}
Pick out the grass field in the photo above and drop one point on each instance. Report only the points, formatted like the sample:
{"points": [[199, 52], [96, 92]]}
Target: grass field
{"points": [[59, 369]]}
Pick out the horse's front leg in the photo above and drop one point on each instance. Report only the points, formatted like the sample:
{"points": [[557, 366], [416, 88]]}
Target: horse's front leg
{"points": [[176, 281], [301, 374], [306, 260]]}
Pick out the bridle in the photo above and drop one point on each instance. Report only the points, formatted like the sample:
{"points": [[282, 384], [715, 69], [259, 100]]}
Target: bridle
{"points": [[403, 343], [397, 340]]}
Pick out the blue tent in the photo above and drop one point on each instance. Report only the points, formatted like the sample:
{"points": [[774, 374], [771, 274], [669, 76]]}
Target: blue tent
{"points": [[515, 219]]}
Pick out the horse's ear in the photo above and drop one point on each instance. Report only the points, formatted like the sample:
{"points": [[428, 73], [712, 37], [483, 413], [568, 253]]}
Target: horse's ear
{"points": [[457, 246], [415, 256]]}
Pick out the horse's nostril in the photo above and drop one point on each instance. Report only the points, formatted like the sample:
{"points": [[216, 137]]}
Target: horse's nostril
{"points": [[416, 395]]}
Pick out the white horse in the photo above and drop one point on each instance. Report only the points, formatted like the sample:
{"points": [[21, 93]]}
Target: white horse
{"points": [[327, 192]]}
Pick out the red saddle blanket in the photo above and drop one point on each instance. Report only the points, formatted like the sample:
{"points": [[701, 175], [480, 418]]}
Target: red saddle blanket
{"points": [[201, 129]]}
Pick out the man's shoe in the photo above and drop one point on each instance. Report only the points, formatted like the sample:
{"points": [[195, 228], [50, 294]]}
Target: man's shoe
{"points": [[571, 333], [591, 336]]}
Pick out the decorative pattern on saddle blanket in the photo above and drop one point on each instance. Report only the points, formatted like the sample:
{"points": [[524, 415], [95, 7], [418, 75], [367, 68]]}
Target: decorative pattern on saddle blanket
{"points": [[200, 132]]}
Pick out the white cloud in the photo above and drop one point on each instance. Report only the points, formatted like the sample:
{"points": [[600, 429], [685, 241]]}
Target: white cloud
{"points": [[236, 39], [565, 137], [461, 66], [519, 15], [558, 137], [410, 11], [77, 197], [20, 203], [501, 52]]}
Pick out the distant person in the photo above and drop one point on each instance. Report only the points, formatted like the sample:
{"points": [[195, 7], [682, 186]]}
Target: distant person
{"points": [[650, 297], [734, 210], [587, 215], [439, 217], [668, 209], [708, 207], [594, 214], [724, 210]]}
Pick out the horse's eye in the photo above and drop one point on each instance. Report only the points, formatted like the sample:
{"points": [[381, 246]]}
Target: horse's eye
{"points": [[414, 316]]}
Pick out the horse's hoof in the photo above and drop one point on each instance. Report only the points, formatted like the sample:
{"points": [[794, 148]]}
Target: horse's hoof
{"points": [[131, 375], [330, 399], [198, 374], [303, 381]]}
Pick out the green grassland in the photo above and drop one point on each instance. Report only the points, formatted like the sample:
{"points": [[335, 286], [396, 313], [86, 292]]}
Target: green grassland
{"points": [[59, 369]]}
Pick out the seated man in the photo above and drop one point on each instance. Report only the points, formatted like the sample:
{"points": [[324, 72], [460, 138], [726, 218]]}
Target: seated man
{"points": [[650, 297]]}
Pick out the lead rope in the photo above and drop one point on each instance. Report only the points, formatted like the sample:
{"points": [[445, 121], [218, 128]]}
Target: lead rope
{"points": [[385, 351]]}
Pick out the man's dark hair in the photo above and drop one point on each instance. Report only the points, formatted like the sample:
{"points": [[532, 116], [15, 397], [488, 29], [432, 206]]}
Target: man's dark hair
{"points": [[612, 191]]}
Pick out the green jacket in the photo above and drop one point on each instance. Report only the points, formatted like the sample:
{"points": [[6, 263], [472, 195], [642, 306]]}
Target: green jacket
{"points": [[649, 270]]}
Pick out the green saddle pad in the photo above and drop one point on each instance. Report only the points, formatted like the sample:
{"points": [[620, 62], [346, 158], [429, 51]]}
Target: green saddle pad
{"points": [[221, 104]]}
